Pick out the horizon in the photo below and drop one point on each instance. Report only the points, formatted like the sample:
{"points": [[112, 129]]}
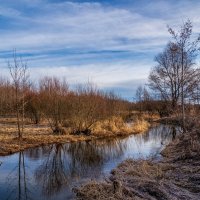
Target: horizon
{"points": [[111, 43]]}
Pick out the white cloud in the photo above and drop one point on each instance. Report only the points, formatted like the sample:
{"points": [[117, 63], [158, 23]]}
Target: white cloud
{"points": [[94, 26], [101, 75], [81, 25], [114, 76]]}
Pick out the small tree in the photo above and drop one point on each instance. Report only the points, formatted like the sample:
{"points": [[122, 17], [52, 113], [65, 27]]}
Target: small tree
{"points": [[53, 96], [19, 75], [88, 106], [139, 96]]}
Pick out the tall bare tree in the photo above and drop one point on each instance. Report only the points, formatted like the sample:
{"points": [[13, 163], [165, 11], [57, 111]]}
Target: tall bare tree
{"points": [[187, 49], [175, 76]]}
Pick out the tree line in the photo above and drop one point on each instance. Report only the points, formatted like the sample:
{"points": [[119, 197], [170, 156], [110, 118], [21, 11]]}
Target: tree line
{"points": [[52, 101]]}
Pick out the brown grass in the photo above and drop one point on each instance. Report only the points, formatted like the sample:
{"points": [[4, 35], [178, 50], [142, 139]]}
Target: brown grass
{"points": [[33, 136], [144, 115], [9, 143], [116, 126], [41, 135]]}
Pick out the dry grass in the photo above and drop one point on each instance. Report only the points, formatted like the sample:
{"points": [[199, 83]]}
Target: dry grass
{"points": [[33, 136], [140, 125], [144, 115], [40, 135], [11, 145], [150, 116], [145, 180], [116, 126]]}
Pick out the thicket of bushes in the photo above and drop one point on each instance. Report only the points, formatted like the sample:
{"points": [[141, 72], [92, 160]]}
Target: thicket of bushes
{"points": [[64, 109]]}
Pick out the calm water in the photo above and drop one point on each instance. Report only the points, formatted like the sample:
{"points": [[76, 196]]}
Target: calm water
{"points": [[50, 172]]}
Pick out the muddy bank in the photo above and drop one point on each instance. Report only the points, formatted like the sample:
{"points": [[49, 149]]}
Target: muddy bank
{"points": [[177, 176]]}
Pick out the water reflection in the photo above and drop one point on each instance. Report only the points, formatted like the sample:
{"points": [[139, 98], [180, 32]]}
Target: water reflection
{"points": [[52, 174], [37, 153], [49, 172], [151, 143], [18, 178]]}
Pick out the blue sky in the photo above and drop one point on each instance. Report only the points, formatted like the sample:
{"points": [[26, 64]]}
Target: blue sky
{"points": [[109, 42]]}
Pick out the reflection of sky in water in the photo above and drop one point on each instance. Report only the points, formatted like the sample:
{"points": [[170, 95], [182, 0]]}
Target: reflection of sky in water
{"points": [[142, 146], [50, 172]]}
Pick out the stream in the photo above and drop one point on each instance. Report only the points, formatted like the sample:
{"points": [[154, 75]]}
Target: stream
{"points": [[50, 172]]}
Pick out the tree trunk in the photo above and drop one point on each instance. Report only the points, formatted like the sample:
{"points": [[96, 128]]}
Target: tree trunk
{"points": [[182, 91]]}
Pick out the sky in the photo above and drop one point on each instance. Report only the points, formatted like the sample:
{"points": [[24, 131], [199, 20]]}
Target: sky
{"points": [[111, 43]]}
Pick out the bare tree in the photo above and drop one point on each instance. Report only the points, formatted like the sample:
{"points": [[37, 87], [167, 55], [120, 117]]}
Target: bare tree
{"points": [[175, 76], [19, 75], [166, 77], [6, 97], [54, 102], [139, 96], [143, 97], [187, 50], [87, 107]]}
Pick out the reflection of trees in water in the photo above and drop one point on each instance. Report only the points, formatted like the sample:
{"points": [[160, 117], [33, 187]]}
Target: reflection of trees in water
{"points": [[52, 174], [62, 165], [67, 163], [157, 137], [89, 157], [161, 133], [110, 148], [37, 153], [84, 158], [21, 190]]}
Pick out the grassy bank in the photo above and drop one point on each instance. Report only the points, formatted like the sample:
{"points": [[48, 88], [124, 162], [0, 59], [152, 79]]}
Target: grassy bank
{"points": [[177, 176], [117, 126], [41, 135]]}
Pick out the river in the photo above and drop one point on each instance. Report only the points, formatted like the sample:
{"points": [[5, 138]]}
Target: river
{"points": [[50, 172]]}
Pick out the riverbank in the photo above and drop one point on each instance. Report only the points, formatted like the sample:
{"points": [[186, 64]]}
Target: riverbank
{"points": [[40, 135], [177, 176]]}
